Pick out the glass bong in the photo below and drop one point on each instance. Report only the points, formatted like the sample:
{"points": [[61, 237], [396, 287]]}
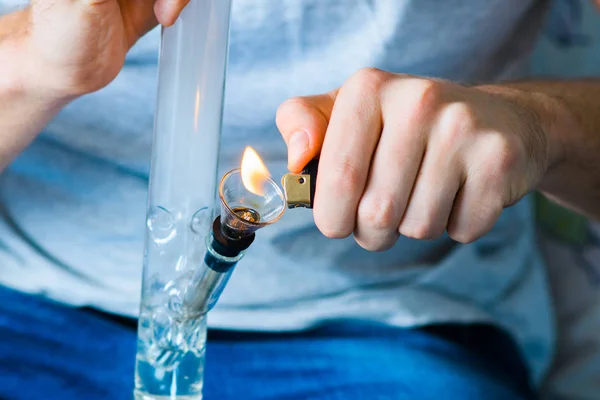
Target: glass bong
{"points": [[192, 246]]}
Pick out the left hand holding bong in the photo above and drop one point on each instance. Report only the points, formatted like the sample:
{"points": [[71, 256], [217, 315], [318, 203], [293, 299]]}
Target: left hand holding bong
{"points": [[403, 155]]}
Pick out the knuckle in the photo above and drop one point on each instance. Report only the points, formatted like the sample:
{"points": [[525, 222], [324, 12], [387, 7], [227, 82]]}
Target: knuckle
{"points": [[481, 219], [420, 231], [456, 123], [427, 93], [379, 212], [332, 231], [368, 80], [463, 236], [375, 246], [289, 107], [499, 158], [422, 227], [506, 155]]}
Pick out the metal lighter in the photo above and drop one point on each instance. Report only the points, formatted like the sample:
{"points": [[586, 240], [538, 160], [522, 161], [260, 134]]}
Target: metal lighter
{"points": [[300, 188]]}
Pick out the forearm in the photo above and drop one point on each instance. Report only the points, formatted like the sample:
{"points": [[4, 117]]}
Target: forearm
{"points": [[569, 114], [24, 111]]}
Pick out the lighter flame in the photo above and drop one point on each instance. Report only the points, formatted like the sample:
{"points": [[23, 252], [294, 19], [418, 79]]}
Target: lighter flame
{"points": [[254, 172]]}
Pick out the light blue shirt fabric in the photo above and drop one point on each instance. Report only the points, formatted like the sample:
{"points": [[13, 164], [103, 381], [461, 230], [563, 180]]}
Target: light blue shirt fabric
{"points": [[73, 204]]}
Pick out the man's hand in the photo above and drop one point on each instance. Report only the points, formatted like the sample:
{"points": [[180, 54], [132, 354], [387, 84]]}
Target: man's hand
{"points": [[54, 51], [417, 157], [74, 47]]}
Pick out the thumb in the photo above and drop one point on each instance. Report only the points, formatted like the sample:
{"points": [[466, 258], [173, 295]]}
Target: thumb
{"points": [[303, 122]]}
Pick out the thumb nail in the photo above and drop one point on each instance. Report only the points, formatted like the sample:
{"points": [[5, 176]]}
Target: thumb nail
{"points": [[297, 147]]}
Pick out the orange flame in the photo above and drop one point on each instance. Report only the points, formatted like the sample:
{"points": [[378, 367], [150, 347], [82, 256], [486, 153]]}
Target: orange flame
{"points": [[254, 172]]}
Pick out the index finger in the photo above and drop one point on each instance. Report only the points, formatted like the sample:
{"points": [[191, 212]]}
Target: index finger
{"points": [[352, 135]]}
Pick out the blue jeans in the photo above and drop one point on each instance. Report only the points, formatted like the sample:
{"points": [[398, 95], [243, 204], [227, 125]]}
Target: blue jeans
{"points": [[49, 351]]}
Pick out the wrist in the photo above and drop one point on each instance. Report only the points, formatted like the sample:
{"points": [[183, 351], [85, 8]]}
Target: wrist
{"points": [[23, 111], [541, 115], [21, 77]]}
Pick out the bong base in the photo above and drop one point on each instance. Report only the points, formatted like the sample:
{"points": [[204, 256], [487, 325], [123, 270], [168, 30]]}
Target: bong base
{"points": [[137, 395]]}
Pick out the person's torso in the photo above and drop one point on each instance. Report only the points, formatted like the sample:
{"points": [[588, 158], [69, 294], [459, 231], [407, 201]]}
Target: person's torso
{"points": [[74, 203]]}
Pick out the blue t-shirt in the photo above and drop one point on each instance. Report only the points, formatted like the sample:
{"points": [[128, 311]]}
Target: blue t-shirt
{"points": [[73, 204]]}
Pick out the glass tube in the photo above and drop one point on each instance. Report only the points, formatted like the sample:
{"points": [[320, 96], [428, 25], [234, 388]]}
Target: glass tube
{"points": [[181, 199]]}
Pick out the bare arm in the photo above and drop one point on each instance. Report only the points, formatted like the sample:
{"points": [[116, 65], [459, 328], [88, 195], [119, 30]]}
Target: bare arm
{"points": [[569, 112], [57, 50], [24, 111]]}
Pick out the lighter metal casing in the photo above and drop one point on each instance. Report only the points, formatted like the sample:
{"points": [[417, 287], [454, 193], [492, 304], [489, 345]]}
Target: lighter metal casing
{"points": [[300, 188]]}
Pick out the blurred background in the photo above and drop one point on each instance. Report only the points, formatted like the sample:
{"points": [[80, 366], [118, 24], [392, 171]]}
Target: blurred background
{"points": [[578, 59], [571, 48]]}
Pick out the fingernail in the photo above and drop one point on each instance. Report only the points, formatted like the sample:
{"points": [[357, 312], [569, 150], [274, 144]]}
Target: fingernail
{"points": [[297, 146]]}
